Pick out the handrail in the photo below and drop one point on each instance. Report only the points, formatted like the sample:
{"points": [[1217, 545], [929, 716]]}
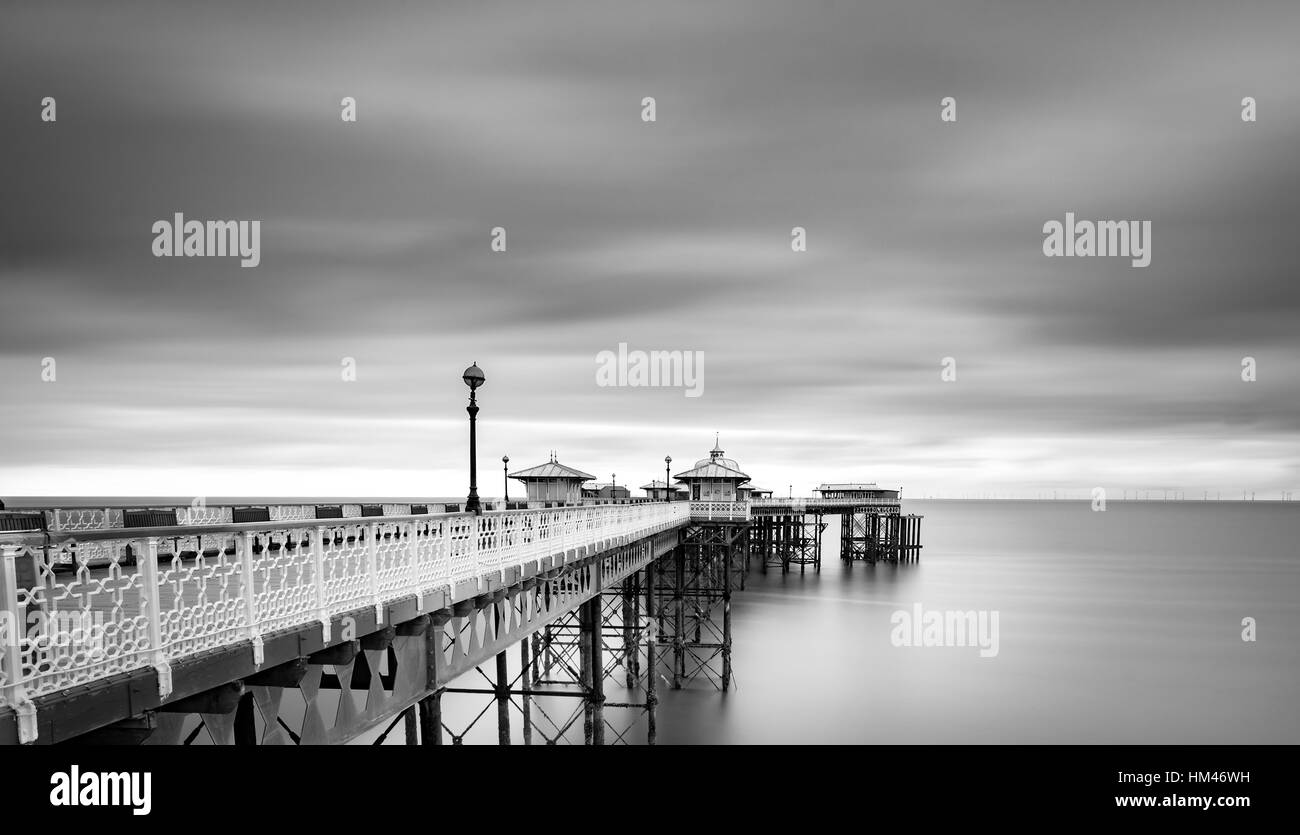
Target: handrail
{"points": [[710, 509], [174, 531], [78, 516]]}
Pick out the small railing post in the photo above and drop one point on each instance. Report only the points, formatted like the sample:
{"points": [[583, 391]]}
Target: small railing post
{"points": [[372, 569], [13, 691], [318, 580], [473, 545], [254, 628], [408, 534], [153, 604]]}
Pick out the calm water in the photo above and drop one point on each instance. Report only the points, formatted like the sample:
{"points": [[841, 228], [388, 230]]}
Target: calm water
{"points": [[1122, 626], [1114, 627]]}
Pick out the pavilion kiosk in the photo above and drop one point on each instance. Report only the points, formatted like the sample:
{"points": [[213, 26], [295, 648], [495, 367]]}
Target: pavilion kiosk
{"points": [[553, 483], [714, 479]]}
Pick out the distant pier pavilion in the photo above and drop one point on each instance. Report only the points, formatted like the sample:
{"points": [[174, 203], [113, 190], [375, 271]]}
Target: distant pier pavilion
{"points": [[658, 491], [553, 482], [253, 621]]}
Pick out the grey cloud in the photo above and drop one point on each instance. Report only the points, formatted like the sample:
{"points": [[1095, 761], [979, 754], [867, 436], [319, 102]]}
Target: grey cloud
{"points": [[925, 238]]}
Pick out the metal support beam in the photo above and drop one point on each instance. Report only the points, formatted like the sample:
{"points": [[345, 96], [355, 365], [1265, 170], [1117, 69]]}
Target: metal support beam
{"points": [[726, 619], [597, 672], [412, 723], [585, 671], [528, 670], [679, 616], [431, 718], [652, 665], [503, 700], [221, 699], [246, 721]]}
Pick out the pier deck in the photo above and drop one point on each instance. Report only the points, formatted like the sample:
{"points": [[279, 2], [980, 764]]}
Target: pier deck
{"points": [[109, 630]]}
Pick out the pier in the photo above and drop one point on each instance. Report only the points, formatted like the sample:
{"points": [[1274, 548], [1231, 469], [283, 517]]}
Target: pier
{"points": [[320, 622]]}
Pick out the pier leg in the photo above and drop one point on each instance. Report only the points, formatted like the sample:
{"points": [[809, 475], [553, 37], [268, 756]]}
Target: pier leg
{"points": [[787, 534], [817, 552], [597, 671], [802, 522], [585, 672], [652, 671], [726, 618], [629, 633], [548, 660], [412, 726], [525, 665], [503, 700], [245, 722], [679, 616], [635, 590], [431, 719]]}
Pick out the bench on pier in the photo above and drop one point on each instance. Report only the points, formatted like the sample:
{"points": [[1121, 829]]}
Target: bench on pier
{"points": [[250, 514], [152, 517], [149, 518], [11, 521]]}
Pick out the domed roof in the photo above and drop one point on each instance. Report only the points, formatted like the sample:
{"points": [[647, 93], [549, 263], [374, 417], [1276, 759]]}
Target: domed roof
{"points": [[714, 467], [716, 457]]}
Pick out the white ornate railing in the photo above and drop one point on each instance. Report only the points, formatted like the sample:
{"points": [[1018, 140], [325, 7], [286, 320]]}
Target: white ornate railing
{"points": [[74, 519], [720, 511], [70, 519], [149, 596]]}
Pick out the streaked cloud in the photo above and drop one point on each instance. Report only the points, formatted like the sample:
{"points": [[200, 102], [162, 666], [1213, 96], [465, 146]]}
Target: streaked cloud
{"points": [[192, 376]]}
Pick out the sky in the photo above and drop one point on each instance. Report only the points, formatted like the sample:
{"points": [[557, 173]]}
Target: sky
{"points": [[196, 376]]}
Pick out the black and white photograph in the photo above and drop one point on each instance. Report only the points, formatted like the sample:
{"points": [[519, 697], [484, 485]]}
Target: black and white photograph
{"points": [[914, 378]]}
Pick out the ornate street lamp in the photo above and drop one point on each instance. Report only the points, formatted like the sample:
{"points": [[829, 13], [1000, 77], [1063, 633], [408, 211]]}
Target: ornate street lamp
{"points": [[505, 474], [473, 378], [668, 493]]}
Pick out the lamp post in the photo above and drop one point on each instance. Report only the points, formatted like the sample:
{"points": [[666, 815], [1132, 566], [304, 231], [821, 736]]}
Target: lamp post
{"points": [[668, 492], [505, 475], [473, 378]]}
